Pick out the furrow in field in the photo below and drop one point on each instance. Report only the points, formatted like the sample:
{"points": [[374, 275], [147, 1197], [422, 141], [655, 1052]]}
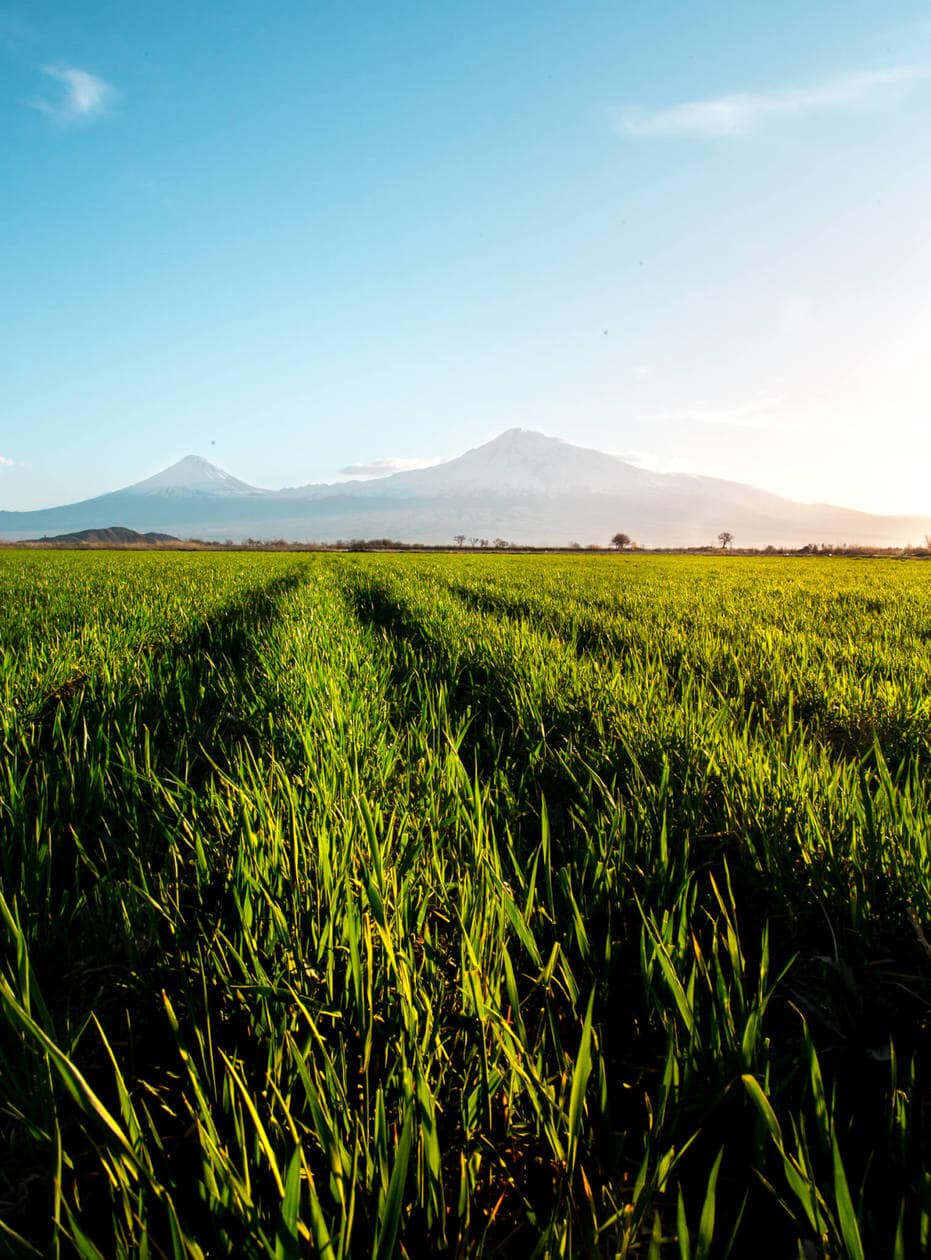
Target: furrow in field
{"points": [[373, 913]]}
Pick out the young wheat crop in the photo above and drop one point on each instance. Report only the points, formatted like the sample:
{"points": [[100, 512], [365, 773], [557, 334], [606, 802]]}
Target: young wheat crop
{"points": [[459, 905]]}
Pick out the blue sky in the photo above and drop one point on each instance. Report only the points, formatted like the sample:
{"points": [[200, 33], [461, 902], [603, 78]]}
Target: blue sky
{"points": [[303, 236]]}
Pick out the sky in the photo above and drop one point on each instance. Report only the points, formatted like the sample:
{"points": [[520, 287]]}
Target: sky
{"points": [[302, 238]]}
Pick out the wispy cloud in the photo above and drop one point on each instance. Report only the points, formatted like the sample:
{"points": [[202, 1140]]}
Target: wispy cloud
{"points": [[7, 463], [78, 96], [743, 112], [385, 467], [760, 413]]}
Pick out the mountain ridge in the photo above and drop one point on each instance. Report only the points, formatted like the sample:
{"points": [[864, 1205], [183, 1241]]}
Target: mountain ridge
{"points": [[522, 485]]}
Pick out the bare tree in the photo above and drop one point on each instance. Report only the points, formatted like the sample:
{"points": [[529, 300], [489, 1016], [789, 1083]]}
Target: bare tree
{"points": [[725, 538], [620, 541], [473, 542], [458, 539]]}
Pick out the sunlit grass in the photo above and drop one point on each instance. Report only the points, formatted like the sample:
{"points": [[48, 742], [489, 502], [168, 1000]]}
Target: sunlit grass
{"points": [[463, 905]]}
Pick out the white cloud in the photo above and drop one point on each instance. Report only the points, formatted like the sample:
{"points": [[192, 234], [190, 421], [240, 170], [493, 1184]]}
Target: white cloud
{"points": [[7, 463], [743, 112], [80, 97], [757, 414], [385, 467]]}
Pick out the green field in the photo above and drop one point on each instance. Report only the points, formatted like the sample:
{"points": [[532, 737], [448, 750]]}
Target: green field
{"points": [[461, 905]]}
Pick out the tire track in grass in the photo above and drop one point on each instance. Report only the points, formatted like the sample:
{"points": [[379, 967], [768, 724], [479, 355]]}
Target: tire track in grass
{"points": [[387, 842]]}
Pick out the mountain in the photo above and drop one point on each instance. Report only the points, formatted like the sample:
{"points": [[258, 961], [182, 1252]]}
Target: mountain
{"points": [[517, 463], [522, 486]]}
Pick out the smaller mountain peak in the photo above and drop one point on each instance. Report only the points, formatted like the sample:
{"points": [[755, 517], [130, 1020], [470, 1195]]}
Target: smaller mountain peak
{"points": [[193, 474]]}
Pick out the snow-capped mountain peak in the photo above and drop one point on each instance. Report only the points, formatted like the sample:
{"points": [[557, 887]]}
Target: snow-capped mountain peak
{"points": [[521, 462], [192, 475]]}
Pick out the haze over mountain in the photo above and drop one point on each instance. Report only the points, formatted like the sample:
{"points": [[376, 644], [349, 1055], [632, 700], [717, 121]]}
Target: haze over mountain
{"points": [[522, 486]]}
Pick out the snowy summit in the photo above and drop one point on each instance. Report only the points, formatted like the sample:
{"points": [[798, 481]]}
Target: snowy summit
{"points": [[192, 475]]}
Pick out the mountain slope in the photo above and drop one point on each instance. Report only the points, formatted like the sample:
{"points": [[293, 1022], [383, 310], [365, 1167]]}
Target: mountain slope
{"points": [[522, 486]]}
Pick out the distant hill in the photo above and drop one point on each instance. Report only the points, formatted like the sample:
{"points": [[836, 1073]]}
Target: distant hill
{"points": [[108, 537], [523, 486]]}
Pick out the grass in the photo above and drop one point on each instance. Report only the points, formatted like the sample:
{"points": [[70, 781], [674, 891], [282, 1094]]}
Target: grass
{"points": [[463, 905]]}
